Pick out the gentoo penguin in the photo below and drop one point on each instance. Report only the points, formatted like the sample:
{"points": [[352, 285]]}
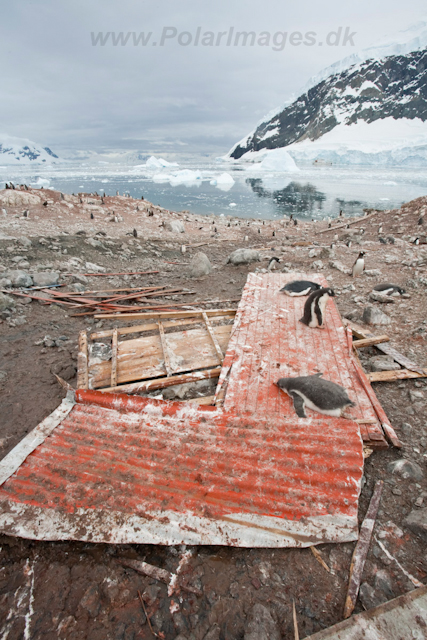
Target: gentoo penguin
{"points": [[359, 265], [317, 394], [135, 233], [273, 263], [300, 288], [389, 289], [314, 308]]}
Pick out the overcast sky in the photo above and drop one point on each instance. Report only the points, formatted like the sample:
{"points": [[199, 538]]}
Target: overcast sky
{"points": [[61, 90]]}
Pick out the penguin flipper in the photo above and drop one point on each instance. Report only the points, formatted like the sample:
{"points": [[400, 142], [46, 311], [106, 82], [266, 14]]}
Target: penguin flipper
{"points": [[298, 404]]}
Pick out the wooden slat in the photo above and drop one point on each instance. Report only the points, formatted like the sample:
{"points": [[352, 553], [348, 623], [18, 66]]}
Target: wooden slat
{"points": [[164, 314], [370, 342], [114, 347], [213, 337], [389, 376], [82, 362], [361, 549], [202, 400], [162, 383], [166, 357]]}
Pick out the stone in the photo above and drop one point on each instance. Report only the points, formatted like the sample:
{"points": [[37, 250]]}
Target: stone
{"points": [[261, 625], [3, 376], [15, 198], [94, 268], [376, 296], [77, 277], [406, 469], [372, 315], [6, 302], [383, 363], [372, 273], [415, 396], [5, 283], [243, 256], [91, 601], [336, 264], [24, 242], [417, 522], [200, 265], [46, 278], [175, 226], [20, 278], [326, 253]]}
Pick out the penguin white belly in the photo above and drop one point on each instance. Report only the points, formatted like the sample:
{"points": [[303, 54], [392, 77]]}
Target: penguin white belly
{"points": [[313, 319], [358, 268]]}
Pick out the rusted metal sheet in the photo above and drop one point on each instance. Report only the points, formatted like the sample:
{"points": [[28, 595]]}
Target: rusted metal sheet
{"points": [[128, 469], [123, 468], [270, 343], [400, 619]]}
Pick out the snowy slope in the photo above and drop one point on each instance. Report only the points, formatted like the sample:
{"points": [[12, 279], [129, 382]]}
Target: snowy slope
{"points": [[386, 81], [22, 151]]}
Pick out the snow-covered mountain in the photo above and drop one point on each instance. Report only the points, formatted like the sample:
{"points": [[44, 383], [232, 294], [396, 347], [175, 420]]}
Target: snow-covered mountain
{"points": [[368, 108], [17, 151]]}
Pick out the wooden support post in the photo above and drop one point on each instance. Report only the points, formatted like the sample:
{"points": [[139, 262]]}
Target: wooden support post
{"points": [[82, 362], [361, 550], [213, 337], [165, 350], [114, 346]]}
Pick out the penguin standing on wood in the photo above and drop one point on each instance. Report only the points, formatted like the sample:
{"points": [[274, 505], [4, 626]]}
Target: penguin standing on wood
{"points": [[314, 308], [359, 265]]}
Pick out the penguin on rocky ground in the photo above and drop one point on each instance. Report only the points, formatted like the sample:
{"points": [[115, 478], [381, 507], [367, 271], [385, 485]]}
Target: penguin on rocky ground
{"points": [[359, 265], [273, 262], [323, 396], [314, 308], [135, 233], [300, 288], [389, 289]]}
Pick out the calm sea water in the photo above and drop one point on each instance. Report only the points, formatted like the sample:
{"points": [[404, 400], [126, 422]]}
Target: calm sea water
{"points": [[312, 193]]}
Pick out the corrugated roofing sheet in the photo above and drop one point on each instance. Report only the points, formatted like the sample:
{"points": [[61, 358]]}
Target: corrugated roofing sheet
{"points": [[136, 470], [117, 468]]}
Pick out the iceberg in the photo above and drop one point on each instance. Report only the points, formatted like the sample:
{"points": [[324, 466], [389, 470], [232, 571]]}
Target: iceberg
{"points": [[279, 160], [159, 163]]}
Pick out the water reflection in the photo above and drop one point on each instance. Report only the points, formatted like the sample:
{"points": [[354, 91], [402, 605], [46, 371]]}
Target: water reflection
{"points": [[290, 196]]}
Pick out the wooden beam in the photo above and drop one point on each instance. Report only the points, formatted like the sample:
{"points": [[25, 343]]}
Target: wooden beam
{"points": [[114, 346], [82, 362], [361, 550], [213, 337], [163, 383], [165, 350], [370, 342], [348, 224], [142, 328], [390, 376], [388, 429], [159, 315]]}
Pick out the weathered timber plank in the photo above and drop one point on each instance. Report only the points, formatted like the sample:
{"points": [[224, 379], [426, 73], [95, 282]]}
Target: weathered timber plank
{"points": [[166, 358], [114, 346], [82, 362], [213, 337], [162, 383], [389, 376], [361, 550], [370, 342]]}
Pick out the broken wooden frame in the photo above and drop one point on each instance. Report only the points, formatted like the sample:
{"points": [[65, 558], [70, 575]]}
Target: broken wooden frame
{"points": [[180, 347]]}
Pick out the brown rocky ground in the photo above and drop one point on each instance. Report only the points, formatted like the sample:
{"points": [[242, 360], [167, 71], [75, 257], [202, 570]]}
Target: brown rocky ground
{"points": [[78, 590]]}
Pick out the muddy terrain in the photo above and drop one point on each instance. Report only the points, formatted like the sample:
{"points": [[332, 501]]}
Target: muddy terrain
{"points": [[82, 591]]}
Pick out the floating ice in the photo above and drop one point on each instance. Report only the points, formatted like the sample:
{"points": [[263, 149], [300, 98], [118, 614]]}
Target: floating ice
{"points": [[159, 163], [279, 160]]}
